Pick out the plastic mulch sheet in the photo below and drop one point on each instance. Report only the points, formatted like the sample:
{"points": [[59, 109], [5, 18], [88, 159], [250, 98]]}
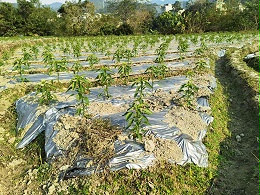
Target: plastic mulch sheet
{"points": [[128, 154]]}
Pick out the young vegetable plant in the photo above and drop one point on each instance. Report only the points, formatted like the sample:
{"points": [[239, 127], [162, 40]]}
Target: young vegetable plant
{"points": [[189, 90], [58, 66], [182, 47], [124, 71], [35, 50], [20, 65], [118, 55], [76, 67], [201, 65], [161, 52], [45, 90], [128, 54], [26, 55], [81, 85], [92, 59], [136, 114], [105, 79], [162, 70], [153, 72], [48, 57]]}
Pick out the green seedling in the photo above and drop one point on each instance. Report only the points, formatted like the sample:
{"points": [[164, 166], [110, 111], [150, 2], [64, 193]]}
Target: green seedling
{"points": [[124, 71], [92, 59], [162, 70], [48, 57], [76, 67], [105, 79], [161, 52], [201, 65], [81, 85], [118, 55], [182, 47], [188, 91], [20, 65], [35, 50], [136, 114], [136, 117], [153, 72], [58, 66], [45, 90], [77, 50]]}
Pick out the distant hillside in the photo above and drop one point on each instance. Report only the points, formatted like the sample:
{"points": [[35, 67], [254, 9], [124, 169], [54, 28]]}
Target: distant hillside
{"points": [[55, 6], [99, 3]]}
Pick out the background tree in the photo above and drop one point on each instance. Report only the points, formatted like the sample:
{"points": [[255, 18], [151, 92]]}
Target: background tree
{"points": [[169, 23], [43, 21], [75, 16], [177, 6], [8, 15]]}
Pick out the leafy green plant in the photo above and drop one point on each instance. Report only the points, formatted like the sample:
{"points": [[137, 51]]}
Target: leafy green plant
{"points": [[35, 50], [118, 55], [153, 73], [105, 79], [26, 55], [182, 47], [128, 54], [136, 113], [76, 67], [58, 66], [92, 59], [124, 71], [2, 62], [48, 57], [201, 65], [161, 52], [81, 85], [188, 91], [45, 90], [76, 50], [194, 40], [162, 70], [20, 65], [5, 55]]}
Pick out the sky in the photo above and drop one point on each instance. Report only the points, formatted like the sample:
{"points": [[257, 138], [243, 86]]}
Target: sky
{"points": [[42, 1]]}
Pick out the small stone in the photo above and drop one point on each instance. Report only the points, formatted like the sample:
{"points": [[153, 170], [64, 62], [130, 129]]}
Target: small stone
{"points": [[238, 138], [65, 167], [89, 164], [29, 182], [51, 189], [2, 129], [122, 137], [149, 145], [151, 185], [67, 126]]}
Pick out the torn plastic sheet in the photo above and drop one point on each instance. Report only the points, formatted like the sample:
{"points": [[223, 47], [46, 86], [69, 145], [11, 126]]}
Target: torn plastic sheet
{"points": [[129, 154], [250, 56], [221, 53]]}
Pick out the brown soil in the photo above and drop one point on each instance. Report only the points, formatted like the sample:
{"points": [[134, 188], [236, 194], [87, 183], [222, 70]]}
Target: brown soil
{"points": [[164, 150], [93, 138], [189, 122], [105, 108]]}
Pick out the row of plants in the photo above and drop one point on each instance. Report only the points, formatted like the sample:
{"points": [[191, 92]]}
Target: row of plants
{"points": [[76, 47]]}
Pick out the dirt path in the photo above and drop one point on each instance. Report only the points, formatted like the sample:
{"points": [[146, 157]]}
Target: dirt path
{"points": [[239, 171]]}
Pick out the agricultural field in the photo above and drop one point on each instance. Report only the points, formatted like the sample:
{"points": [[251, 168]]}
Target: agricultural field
{"points": [[146, 114]]}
